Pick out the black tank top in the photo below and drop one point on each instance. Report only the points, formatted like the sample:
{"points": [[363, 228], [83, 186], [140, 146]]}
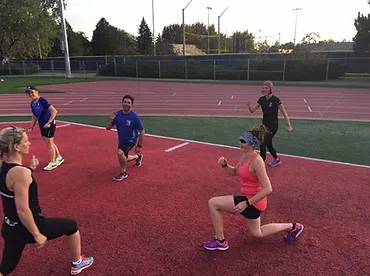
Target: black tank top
{"points": [[9, 207]]}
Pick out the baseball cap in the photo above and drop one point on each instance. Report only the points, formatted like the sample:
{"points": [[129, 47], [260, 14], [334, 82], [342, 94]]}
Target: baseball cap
{"points": [[30, 88]]}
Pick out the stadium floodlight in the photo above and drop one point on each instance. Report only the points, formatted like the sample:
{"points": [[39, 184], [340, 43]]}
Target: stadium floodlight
{"points": [[296, 18]]}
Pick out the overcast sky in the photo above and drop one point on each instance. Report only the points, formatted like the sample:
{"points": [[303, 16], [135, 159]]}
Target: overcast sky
{"points": [[263, 18]]}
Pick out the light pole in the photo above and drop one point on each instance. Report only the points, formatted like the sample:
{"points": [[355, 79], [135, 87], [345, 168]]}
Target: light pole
{"points": [[219, 30], [208, 8], [183, 28], [296, 18], [153, 28], [65, 40]]}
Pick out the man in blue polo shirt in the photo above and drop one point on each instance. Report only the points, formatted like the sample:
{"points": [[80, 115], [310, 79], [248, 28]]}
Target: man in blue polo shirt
{"points": [[44, 113], [130, 130]]}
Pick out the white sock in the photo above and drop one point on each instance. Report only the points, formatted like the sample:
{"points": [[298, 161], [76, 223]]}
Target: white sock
{"points": [[78, 262]]}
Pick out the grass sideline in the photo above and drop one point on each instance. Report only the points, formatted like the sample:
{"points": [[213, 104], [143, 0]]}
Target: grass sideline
{"points": [[330, 140], [16, 84]]}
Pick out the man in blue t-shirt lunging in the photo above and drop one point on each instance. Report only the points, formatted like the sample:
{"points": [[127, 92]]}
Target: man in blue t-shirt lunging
{"points": [[130, 130], [44, 114]]}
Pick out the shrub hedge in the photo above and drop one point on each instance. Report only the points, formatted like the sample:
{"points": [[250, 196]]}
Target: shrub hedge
{"points": [[19, 69], [259, 69]]}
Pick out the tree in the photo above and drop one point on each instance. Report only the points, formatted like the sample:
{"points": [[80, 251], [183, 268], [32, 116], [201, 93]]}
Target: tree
{"points": [[362, 39], [172, 34], [144, 39], [78, 43], [109, 40], [311, 38], [28, 27], [163, 48]]}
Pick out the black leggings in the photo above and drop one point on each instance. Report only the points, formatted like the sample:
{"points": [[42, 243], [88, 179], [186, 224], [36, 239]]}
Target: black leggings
{"points": [[17, 237], [268, 143]]}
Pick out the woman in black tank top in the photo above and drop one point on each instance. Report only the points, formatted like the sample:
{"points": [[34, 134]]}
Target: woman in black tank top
{"points": [[23, 220]]}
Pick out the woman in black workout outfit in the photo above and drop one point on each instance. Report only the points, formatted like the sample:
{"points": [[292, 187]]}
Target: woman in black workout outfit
{"points": [[270, 105]]}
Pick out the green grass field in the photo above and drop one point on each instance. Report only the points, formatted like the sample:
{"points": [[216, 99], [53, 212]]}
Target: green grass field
{"points": [[12, 85], [330, 140]]}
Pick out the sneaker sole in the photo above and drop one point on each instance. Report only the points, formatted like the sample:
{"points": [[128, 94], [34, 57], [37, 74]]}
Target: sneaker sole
{"points": [[217, 248], [272, 166], [53, 168], [60, 163]]}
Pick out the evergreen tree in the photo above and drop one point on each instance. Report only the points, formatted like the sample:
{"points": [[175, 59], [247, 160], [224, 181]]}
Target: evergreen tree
{"points": [[145, 39]]}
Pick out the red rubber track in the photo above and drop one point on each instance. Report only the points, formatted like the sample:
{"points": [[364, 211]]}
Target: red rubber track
{"points": [[153, 223], [161, 98]]}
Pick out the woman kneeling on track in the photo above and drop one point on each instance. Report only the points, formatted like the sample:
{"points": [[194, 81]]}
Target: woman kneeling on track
{"points": [[23, 220], [255, 187]]}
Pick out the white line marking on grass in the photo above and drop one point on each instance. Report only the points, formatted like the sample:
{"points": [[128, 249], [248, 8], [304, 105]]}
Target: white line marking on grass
{"points": [[225, 146], [177, 147], [309, 108]]}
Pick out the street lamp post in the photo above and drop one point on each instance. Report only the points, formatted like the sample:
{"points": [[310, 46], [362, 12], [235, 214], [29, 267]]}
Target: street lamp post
{"points": [[183, 28], [208, 8], [219, 30]]}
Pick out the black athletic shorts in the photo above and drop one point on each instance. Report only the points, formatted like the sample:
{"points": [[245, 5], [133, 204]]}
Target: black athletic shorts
{"points": [[126, 147], [52, 228], [250, 212], [49, 132]]}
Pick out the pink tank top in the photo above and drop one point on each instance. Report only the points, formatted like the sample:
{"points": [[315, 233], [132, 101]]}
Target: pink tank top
{"points": [[250, 184]]}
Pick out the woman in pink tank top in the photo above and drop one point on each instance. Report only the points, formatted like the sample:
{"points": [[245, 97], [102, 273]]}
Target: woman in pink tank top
{"points": [[252, 201]]}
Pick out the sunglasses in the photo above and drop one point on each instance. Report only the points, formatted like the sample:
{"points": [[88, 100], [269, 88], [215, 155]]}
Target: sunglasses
{"points": [[241, 140], [15, 130]]}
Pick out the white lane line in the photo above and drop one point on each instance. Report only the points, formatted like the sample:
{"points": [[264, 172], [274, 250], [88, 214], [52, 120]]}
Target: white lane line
{"points": [[83, 100], [63, 125], [219, 103], [68, 103], [305, 100], [309, 108], [176, 147]]}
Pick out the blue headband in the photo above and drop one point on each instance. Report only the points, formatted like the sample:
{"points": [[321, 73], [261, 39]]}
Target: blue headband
{"points": [[250, 139]]}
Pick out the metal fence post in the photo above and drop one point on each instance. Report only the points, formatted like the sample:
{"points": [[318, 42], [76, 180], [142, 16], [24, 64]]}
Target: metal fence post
{"points": [[137, 69], [159, 68], [24, 68], [284, 70], [327, 70], [52, 67], [214, 70], [115, 67], [249, 61], [186, 69]]}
